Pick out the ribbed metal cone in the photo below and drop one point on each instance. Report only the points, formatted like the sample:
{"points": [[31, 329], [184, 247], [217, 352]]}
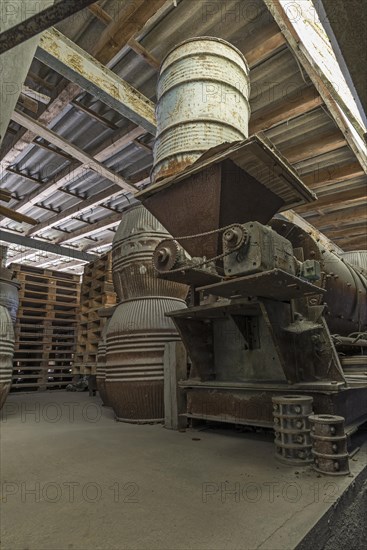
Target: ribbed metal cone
{"points": [[9, 292], [6, 353], [136, 338], [136, 238]]}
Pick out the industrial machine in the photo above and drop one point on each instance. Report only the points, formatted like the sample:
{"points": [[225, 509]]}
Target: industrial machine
{"points": [[273, 308]]}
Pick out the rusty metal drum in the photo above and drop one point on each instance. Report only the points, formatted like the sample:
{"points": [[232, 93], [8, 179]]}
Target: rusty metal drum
{"points": [[203, 101], [136, 338], [346, 284], [357, 258], [6, 353], [132, 257]]}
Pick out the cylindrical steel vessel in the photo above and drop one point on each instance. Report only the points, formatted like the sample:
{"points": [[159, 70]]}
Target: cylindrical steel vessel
{"points": [[8, 286], [203, 101], [357, 258], [6, 353], [132, 257], [101, 363], [136, 337], [346, 285]]}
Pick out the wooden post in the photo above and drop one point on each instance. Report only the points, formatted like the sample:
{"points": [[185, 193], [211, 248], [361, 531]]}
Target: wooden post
{"points": [[175, 369]]}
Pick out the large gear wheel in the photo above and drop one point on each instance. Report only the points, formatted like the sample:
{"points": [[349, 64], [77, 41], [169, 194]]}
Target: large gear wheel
{"points": [[166, 255], [234, 237]]}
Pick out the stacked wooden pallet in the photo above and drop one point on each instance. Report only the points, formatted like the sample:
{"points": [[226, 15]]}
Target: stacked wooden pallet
{"points": [[45, 330], [97, 292]]}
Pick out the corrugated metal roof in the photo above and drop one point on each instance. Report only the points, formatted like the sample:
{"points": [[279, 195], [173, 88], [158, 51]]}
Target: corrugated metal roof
{"points": [[279, 77]]}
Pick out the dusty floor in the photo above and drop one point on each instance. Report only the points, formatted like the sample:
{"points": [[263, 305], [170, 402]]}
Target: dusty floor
{"points": [[73, 478]]}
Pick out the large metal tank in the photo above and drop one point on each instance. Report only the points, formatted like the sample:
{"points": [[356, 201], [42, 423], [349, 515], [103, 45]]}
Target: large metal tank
{"points": [[357, 258], [6, 353], [136, 338], [346, 285], [8, 286], [101, 359], [203, 101], [132, 257]]}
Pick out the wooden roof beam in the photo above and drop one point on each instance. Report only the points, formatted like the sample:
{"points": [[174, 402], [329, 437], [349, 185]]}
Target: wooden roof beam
{"points": [[348, 215], [102, 225], [284, 110], [72, 150], [332, 100], [326, 143], [334, 199], [332, 174], [75, 64], [112, 145]]}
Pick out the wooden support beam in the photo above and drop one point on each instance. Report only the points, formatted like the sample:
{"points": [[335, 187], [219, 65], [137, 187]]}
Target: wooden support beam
{"points": [[25, 176], [16, 216], [175, 369], [332, 174], [140, 50], [100, 13], [267, 42], [132, 18], [5, 195], [314, 147], [75, 170], [64, 95], [77, 209], [102, 225], [53, 150], [354, 230], [36, 244], [334, 199], [65, 57], [327, 90], [354, 243], [72, 150], [26, 137], [347, 216], [284, 110], [94, 115]]}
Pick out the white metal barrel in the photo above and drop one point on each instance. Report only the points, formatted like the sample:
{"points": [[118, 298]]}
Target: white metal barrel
{"points": [[203, 101]]}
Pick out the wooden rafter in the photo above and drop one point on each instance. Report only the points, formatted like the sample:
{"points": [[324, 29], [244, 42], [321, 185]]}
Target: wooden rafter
{"points": [[117, 143], [74, 63], [71, 149], [331, 98]]}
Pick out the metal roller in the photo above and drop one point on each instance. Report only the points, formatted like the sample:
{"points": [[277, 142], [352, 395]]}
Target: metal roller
{"points": [[292, 428], [329, 444]]}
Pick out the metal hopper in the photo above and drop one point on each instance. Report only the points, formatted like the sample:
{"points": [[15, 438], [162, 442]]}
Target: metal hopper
{"points": [[232, 183]]}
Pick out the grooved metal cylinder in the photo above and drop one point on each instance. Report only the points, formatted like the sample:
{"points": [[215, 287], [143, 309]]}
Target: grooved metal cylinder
{"points": [[136, 337], [6, 353], [346, 284], [203, 101], [329, 444], [357, 258], [292, 428], [8, 286], [101, 365], [136, 238]]}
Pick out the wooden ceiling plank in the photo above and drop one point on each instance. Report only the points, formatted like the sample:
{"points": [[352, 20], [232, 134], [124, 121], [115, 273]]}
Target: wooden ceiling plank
{"points": [[284, 110], [73, 150], [64, 56]]}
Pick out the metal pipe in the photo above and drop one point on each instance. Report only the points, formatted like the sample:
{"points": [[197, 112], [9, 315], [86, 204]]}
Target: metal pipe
{"points": [[346, 341], [40, 22]]}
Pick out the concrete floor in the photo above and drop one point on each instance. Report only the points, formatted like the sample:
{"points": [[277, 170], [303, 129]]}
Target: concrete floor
{"points": [[73, 478]]}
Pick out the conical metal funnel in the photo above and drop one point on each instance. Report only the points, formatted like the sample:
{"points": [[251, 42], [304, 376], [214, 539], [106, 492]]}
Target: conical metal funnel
{"points": [[232, 183]]}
